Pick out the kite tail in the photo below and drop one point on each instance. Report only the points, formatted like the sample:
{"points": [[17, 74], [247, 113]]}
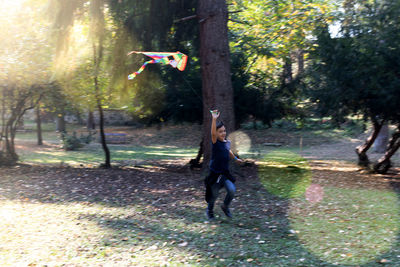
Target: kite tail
{"points": [[179, 60], [133, 75]]}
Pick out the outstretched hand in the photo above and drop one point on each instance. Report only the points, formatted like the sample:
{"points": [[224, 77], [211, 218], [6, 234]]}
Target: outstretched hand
{"points": [[215, 113]]}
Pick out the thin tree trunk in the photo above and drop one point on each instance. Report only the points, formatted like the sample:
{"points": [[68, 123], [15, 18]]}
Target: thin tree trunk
{"points": [[60, 122], [10, 153], [384, 163], [17, 109], [215, 66], [90, 124], [287, 74], [300, 62], [3, 118], [39, 126], [79, 118], [107, 163], [361, 150]]}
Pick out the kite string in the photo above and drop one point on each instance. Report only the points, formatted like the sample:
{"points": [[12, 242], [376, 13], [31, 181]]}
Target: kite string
{"points": [[201, 100]]}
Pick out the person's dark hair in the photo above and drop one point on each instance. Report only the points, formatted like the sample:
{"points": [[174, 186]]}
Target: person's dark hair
{"points": [[220, 124]]}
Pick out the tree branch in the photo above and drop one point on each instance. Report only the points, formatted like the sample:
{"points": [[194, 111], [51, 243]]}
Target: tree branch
{"points": [[185, 18], [237, 21], [236, 11]]}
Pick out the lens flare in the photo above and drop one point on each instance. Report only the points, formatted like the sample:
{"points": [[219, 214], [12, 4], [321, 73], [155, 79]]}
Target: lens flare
{"points": [[240, 142], [348, 226], [284, 174], [314, 193]]}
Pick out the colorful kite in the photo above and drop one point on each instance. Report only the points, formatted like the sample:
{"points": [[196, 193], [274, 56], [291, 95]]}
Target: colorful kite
{"points": [[178, 60]]}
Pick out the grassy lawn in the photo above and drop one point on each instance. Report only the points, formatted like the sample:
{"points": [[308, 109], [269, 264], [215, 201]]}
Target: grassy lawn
{"points": [[120, 154], [288, 211]]}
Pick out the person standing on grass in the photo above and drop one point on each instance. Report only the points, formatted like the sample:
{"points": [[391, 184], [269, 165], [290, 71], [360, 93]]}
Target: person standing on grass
{"points": [[219, 175]]}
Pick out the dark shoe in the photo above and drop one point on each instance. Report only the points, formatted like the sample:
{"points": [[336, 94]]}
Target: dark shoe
{"points": [[210, 215], [226, 211]]}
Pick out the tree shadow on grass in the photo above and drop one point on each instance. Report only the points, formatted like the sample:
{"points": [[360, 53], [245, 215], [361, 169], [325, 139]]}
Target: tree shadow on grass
{"points": [[245, 240], [168, 212]]}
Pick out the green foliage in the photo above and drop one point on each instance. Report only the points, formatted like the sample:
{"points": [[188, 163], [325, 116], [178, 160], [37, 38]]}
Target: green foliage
{"points": [[70, 142], [274, 50], [160, 93], [73, 142], [358, 72]]}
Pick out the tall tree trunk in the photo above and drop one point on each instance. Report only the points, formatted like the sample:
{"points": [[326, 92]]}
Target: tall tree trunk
{"points": [[90, 124], [384, 163], [39, 126], [60, 122], [21, 124], [361, 150], [215, 68], [107, 163], [300, 62], [382, 139], [78, 115], [3, 118], [287, 74]]}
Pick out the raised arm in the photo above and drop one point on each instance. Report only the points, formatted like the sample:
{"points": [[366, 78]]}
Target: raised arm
{"points": [[215, 115]]}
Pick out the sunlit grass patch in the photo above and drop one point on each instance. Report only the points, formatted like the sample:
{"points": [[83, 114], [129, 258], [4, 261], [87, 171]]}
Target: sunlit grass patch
{"points": [[94, 154], [350, 226], [284, 173], [45, 233]]}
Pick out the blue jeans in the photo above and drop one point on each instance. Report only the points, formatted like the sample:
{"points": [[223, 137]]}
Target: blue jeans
{"points": [[230, 193]]}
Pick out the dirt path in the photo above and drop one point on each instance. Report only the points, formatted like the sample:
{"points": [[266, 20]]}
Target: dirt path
{"points": [[343, 150]]}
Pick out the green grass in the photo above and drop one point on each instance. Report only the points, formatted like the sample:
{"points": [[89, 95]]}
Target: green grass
{"points": [[49, 133], [285, 173], [150, 217], [349, 226], [131, 218], [93, 155]]}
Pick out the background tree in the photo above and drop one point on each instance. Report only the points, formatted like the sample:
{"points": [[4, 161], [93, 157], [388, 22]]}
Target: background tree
{"points": [[215, 68], [24, 56], [95, 31], [274, 37], [356, 73], [157, 26]]}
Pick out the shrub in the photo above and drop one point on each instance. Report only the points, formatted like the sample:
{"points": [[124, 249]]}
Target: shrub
{"points": [[71, 142]]}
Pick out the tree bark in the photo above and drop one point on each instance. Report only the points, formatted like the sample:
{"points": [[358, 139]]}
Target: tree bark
{"points": [[60, 123], [382, 140], [3, 118], [96, 61], [300, 62], [39, 126], [215, 68], [384, 163], [9, 152], [90, 124], [287, 74], [107, 163], [195, 163], [17, 106], [361, 150]]}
